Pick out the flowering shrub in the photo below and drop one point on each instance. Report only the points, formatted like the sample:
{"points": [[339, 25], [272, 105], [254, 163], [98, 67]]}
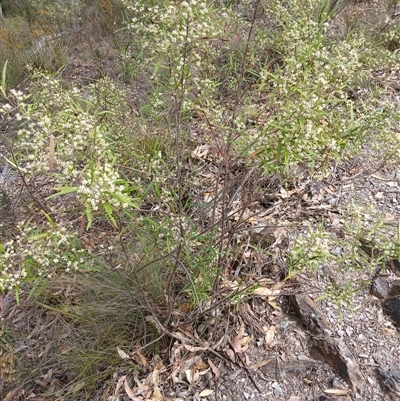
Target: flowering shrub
{"points": [[366, 226], [276, 86], [304, 78], [363, 227], [63, 133], [364, 244], [38, 251], [309, 251], [314, 116], [180, 42], [84, 160]]}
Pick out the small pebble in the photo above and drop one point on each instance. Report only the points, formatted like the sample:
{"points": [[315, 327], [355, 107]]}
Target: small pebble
{"points": [[336, 383], [278, 391], [337, 251]]}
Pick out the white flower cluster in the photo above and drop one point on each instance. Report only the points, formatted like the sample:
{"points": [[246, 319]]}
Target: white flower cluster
{"points": [[179, 38], [84, 154], [37, 252], [101, 186], [313, 112], [309, 251], [366, 225]]}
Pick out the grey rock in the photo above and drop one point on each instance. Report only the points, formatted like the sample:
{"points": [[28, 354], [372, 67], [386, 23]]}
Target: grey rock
{"points": [[380, 288]]}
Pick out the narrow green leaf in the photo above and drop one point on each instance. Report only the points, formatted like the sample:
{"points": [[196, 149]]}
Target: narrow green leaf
{"points": [[50, 220], [63, 191], [37, 236], [3, 79], [89, 215], [109, 211], [16, 291]]}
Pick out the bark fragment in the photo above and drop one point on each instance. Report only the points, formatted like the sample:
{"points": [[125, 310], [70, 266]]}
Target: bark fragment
{"points": [[335, 351]]}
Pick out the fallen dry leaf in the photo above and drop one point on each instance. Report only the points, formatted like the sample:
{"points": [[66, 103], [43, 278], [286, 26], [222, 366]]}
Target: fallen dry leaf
{"points": [[208, 196], [201, 151], [336, 391], [273, 303], [270, 336], [157, 396], [245, 341], [293, 398], [278, 286], [160, 364], [155, 376], [130, 393], [235, 343], [120, 383], [214, 369], [200, 364], [231, 354], [269, 294], [285, 193], [148, 380], [12, 395], [203, 372], [206, 392], [191, 348], [191, 375], [262, 291], [122, 353], [141, 359], [260, 364], [240, 333], [335, 219], [240, 342], [142, 388]]}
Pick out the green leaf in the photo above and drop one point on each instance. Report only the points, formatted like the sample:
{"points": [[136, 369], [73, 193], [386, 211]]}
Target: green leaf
{"points": [[109, 210], [89, 215], [16, 291], [125, 199], [3, 80], [39, 284], [63, 191], [40, 235], [50, 220]]}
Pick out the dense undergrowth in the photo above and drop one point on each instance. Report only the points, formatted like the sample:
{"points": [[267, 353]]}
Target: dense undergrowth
{"points": [[137, 196]]}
